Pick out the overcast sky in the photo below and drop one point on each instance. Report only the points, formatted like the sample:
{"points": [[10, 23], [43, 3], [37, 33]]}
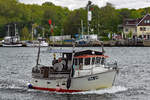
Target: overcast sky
{"points": [[74, 4]]}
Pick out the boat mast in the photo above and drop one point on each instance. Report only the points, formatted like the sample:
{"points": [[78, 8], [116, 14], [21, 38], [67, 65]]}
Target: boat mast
{"points": [[89, 16], [32, 32], [102, 45], [15, 30], [73, 51], [43, 29], [38, 56], [71, 72], [82, 28], [8, 30]]}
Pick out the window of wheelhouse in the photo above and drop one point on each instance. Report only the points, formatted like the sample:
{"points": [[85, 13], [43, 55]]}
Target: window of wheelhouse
{"points": [[75, 61], [93, 60], [87, 61], [98, 60], [80, 61], [103, 61]]}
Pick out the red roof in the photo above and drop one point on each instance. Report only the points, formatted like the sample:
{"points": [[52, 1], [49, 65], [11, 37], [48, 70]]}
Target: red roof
{"points": [[90, 56]]}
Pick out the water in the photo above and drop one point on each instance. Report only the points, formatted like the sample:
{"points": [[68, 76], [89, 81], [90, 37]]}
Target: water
{"points": [[132, 82]]}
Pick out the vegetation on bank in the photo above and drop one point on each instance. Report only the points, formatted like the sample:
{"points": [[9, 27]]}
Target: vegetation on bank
{"points": [[105, 20]]}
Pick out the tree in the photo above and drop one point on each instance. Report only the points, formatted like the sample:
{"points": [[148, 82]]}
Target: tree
{"points": [[25, 34], [108, 24]]}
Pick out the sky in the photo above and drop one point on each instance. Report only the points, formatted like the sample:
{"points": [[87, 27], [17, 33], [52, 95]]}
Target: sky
{"points": [[75, 4]]}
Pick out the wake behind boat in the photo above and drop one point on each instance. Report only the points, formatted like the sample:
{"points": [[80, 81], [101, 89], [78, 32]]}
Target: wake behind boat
{"points": [[74, 71]]}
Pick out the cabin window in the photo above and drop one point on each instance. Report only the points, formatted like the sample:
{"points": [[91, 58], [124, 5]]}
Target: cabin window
{"points": [[87, 61], [48, 82], [98, 59], [42, 71], [93, 61], [75, 61], [80, 61], [102, 61], [36, 81]]}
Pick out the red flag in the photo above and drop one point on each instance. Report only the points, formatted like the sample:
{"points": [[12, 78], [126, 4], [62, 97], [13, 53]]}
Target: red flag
{"points": [[50, 21], [51, 30], [91, 9]]}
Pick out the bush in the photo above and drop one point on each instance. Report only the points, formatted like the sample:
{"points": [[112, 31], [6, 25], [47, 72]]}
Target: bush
{"points": [[104, 38]]}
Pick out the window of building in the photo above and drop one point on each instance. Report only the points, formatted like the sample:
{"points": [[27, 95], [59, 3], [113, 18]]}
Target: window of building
{"points": [[145, 21], [142, 28]]}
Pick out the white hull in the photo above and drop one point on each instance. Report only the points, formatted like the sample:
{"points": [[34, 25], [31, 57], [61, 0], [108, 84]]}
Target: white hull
{"points": [[83, 83], [12, 45], [36, 45]]}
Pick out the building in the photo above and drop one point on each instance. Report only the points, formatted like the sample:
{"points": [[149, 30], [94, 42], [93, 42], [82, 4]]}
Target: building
{"points": [[137, 27]]}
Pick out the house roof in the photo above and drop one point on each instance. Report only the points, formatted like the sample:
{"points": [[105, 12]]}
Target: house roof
{"points": [[130, 22], [147, 17], [136, 22]]}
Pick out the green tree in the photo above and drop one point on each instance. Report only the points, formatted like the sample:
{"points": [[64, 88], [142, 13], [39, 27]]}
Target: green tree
{"points": [[108, 24], [25, 34]]}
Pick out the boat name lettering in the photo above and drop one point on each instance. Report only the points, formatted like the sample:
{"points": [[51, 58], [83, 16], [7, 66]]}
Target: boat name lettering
{"points": [[92, 78]]}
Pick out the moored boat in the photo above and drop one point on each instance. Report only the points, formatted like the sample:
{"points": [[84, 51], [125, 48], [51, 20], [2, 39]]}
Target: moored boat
{"points": [[74, 71], [35, 43], [11, 41]]}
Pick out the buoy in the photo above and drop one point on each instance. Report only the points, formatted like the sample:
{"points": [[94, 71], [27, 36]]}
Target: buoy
{"points": [[30, 86]]}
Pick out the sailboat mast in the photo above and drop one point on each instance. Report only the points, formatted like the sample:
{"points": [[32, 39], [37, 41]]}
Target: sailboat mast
{"points": [[32, 31], [43, 31], [8, 30], [88, 19], [15, 30], [82, 26]]}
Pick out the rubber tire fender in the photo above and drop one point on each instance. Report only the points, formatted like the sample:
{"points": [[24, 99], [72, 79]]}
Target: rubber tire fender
{"points": [[68, 83]]}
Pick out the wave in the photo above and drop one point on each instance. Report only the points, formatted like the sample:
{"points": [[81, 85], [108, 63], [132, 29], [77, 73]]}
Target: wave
{"points": [[114, 89]]}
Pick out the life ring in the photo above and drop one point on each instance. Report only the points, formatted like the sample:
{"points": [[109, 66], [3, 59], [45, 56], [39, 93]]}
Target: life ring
{"points": [[68, 83]]}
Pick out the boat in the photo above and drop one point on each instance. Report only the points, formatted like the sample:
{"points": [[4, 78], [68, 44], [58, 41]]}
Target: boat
{"points": [[35, 43], [74, 71], [11, 41]]}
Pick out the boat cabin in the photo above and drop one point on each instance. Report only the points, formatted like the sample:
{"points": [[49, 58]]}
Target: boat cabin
{"points": [[82, 60], [87, 59]]}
